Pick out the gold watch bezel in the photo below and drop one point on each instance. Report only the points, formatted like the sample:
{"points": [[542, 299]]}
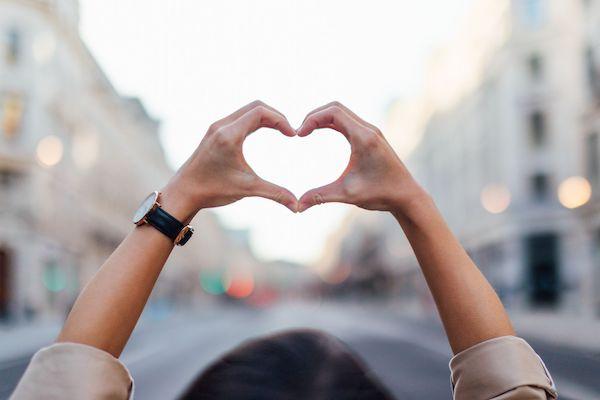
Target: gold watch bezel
{"points": [[155, 205]]}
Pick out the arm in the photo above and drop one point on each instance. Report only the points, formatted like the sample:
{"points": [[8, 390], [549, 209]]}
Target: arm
{"points": [[108, 309], [376, 179], [468, 305]]}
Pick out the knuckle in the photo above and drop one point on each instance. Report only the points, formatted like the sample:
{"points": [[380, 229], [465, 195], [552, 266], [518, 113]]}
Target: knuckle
{"points": [[248, 184], [214, 127], [336, 110], [370, 139], [260, 109], [221, 138], [257, 103], [351, 189], [317, 198], [279, 196]]}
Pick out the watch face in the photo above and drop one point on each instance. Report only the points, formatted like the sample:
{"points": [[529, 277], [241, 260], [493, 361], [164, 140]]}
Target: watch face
{"points": [[146, 206]]}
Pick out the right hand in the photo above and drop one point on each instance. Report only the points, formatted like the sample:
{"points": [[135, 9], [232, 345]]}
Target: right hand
{"points": [[375, 178], [217, 174]]}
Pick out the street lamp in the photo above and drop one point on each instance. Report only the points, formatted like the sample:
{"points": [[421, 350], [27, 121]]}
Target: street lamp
{"points": [[574, 192], [49, 151], [495, 198]]}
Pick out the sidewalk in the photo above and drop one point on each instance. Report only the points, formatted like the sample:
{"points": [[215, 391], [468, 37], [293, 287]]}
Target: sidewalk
{"points": [[24, 339], [564, 330]]}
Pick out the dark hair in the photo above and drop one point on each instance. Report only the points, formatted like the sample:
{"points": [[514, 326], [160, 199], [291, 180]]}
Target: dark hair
{"points": [[299, 364]]}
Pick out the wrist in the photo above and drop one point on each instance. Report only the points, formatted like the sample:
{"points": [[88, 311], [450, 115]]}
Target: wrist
{"points": [[413, 205], [175, 200]]}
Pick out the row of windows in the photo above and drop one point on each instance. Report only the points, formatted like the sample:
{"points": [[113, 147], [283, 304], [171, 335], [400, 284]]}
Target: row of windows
{"points": [[532, 12], [12, 46], [540, 183], [11, 115]]}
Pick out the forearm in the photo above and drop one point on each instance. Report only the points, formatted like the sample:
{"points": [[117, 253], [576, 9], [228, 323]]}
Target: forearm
{"points": [[109, 307], [469, 307], [216, 174]]}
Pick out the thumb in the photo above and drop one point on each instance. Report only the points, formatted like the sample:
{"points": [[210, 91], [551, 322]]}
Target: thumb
{"points": [[276, 193], [325, 194]]}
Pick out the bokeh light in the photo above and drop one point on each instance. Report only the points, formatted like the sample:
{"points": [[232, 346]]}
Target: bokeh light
{"points": [[85, 149], [495, 198], [49, 151], [239, 284], [574, 192], [212, 282], [54, 279]]}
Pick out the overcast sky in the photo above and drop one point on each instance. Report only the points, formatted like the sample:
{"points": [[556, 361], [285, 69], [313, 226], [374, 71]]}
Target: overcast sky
{"points": [[193, 62]]}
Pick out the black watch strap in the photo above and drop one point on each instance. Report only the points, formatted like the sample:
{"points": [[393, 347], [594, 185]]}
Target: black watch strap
{"points": [[164, 222]]}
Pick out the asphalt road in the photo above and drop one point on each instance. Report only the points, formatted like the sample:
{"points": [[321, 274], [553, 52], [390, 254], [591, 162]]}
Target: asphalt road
{"points": [[409, 355]]}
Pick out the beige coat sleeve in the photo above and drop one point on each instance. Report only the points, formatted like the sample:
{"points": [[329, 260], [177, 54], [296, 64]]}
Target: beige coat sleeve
{"points": [[501, 369], [74, 371]]}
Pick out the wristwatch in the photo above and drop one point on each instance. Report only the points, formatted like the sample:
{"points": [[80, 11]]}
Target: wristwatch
{"points": [[151, 212]]}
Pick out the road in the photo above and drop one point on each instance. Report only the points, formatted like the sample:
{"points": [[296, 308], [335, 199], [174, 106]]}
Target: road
{"points": [[410, 355]]}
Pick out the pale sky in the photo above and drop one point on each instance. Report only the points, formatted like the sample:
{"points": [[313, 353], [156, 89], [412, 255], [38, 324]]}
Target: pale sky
{"points": [[193, 62]]}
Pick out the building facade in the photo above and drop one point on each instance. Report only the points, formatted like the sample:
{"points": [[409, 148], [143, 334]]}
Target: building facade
{"points": [[76, 158], [504, 137]]}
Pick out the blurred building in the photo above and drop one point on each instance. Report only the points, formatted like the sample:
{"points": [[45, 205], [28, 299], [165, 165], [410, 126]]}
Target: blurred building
{"points": [[76, 158], [505, 138]]}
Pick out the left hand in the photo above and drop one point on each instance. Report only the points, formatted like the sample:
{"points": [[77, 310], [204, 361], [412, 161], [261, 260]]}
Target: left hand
{"points": [[217, 174]]}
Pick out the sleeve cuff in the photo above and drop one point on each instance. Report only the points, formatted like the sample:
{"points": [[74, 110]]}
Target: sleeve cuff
{"points": [[497, 366], [74, 371]]}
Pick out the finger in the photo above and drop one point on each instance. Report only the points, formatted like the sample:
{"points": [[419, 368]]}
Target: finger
{"points": [[353, 115], [261, 117], [332, 117], [332, 193], [237, 114], [276, 193]]}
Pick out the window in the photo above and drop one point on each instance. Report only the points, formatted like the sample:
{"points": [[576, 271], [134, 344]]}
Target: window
{"points": [[537, 128], [55, 280], [592, 159], [532, 12], [5, 283], [593, 75], [540, 187], [13, 46], [535, 66], [8, 178], [11, 115], [543, 269]]}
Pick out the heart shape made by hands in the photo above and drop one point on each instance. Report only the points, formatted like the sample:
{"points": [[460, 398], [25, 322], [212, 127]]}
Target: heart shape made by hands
{"points": [[298, 164]]}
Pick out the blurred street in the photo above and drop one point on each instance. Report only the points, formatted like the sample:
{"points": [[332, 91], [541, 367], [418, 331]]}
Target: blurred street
{"points": [[409, 354]]}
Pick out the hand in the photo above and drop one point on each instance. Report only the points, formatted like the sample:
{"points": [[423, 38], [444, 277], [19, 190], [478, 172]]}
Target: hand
{"points": [[375, 178], [217, 173]]}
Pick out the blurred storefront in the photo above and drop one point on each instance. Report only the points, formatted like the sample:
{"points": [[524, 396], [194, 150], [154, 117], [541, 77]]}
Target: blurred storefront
{"points": [[505, 138], [76, 158]]}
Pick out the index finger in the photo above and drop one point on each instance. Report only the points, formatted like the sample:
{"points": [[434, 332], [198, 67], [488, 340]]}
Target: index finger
{"points": [[333, 117], [258, 117], [352, 114], [240, 112]]}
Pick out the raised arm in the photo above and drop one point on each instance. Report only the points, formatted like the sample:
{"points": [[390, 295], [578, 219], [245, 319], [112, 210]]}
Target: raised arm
{"points": [[108, 309], [376, 179]]}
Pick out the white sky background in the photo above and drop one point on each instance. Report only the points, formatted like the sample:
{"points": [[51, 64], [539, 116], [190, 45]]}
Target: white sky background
{"points": [[193, 62]]}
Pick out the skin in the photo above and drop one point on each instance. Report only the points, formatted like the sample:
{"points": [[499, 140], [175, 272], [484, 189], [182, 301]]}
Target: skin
{"points": [[216, 174], [376, 179]]}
